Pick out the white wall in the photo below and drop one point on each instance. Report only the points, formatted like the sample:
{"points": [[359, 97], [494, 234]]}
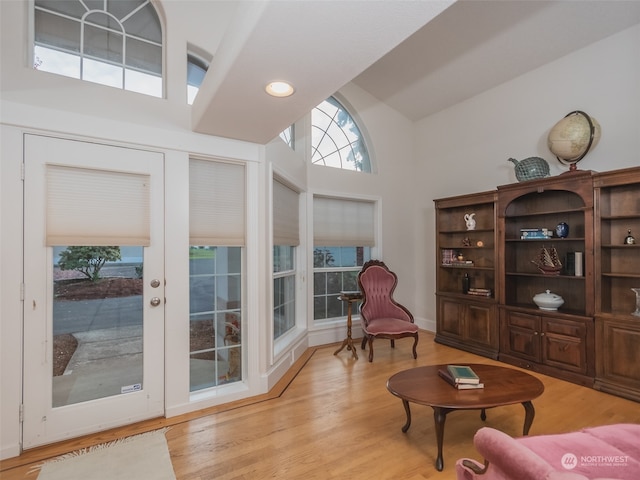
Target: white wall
{"points": [[465, 148], [460, 150]]}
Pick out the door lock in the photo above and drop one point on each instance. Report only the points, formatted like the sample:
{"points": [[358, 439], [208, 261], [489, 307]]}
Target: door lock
{"points": [[155, 301]]}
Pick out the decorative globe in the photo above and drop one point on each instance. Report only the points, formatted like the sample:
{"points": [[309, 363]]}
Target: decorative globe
{"points": [[572, 137]]}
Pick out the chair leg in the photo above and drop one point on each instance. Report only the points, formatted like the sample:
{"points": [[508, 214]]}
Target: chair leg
{"points": [[415, 344], [364, 342], [371, 349]]}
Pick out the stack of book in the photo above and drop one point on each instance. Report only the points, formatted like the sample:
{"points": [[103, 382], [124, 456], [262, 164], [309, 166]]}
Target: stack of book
{"points": [[462, 263], [461, 377], [480, 292], [535, 233]]}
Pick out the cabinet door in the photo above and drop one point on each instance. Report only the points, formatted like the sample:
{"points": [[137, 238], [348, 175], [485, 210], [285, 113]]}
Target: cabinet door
{"points": [[478, 323], [564, 345], [619, 352], [521, 335], [450, 318]]}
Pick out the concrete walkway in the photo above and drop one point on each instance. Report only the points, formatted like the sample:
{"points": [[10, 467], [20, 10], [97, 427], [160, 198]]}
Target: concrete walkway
{"points": [[106, 362]]}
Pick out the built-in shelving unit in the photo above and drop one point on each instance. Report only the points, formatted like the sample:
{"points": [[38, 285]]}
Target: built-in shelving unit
{"points": [[592, 339], [617, 197], [557, 342], [466, 317]]}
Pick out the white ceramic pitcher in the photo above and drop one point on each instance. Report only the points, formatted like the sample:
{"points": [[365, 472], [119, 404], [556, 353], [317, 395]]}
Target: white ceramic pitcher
{"points": [[470, 221]]}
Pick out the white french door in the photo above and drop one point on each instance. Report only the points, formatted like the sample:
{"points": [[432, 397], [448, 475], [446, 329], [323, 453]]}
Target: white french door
{"points": [[94, 277]]}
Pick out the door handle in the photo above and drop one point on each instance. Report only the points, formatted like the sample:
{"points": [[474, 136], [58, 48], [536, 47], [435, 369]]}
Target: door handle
{"points": [[155, 301]]}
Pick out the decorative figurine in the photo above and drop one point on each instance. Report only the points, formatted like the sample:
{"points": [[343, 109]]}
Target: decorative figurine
{"points": [[629, 240]]}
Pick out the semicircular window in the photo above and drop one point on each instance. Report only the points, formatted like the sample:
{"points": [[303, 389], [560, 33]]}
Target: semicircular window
{"points": [[114, 43], [336, 140]]}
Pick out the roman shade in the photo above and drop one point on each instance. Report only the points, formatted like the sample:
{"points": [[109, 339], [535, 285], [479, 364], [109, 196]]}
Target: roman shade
{"points": [[216, 203], [339, 222], [91, 207], [286, 223]]}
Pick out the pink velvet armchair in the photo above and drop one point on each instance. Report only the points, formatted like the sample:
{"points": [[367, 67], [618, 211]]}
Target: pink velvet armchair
{"points": [[381, 315]]}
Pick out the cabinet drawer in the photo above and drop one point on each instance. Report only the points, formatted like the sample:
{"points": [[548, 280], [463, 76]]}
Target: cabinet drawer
{"points": [[523, 320], [568, 328]]}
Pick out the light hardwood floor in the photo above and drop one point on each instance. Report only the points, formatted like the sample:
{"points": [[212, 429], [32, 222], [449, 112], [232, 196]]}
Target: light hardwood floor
{"points": [[332, 417]]}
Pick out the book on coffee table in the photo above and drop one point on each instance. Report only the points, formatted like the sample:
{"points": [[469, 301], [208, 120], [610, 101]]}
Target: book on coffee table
{"points": [[460, 386], [463, 374]]}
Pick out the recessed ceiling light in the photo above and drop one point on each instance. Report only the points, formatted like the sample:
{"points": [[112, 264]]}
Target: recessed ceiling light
{"points": [[279, 89]]}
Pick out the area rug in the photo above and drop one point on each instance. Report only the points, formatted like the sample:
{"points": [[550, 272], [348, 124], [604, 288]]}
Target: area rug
{"points": [[144, 456]]}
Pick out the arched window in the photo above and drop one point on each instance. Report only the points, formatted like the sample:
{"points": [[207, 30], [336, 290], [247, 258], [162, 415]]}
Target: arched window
{"points": [[336, 140], [111, 42]]}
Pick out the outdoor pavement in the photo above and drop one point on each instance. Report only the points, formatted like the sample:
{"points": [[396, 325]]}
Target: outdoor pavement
{"points": [[105, 362]]}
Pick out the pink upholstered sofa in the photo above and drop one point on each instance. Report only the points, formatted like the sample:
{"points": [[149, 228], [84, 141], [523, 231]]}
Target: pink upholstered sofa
{"points": [[605, 452]]}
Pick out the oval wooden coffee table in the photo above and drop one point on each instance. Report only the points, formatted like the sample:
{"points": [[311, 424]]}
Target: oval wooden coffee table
{"points": [[502, 386]]}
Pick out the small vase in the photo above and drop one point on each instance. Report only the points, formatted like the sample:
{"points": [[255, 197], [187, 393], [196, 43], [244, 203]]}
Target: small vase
{"points": [[637, 292], [562, 230]]}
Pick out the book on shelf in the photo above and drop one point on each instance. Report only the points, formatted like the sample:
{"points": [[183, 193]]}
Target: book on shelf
{"points": [[463, 374], [448, 255], [460, 386], [535, 233], [480, 292], [462, 263]]}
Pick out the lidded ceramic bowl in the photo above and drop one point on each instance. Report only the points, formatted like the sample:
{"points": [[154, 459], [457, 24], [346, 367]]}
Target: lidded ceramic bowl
{"points": [[548, 300]]}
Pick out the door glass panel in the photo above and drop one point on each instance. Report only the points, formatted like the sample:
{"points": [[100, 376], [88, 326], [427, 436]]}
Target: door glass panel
{"points": [[97, 322], [215, 316]]}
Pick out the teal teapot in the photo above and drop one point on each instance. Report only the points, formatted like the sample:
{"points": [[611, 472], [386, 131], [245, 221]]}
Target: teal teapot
{"points": [[530, 168]]}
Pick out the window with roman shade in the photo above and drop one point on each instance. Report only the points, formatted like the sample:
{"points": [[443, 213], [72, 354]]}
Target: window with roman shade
{"points": [[217, 218], [343, 235], [286, 238]]}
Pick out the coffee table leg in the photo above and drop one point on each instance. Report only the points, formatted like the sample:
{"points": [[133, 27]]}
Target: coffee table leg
{"points": [[530, 412], [439, 416], [405, 403]]}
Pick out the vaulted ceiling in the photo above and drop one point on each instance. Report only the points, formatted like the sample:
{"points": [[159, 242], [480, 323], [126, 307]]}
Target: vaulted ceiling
{"points": [[419, 57]]}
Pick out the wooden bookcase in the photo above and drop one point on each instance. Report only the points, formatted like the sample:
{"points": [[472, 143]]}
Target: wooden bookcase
{"points": [[464, 320], [561, 342], [617, 197], [593, 339]]}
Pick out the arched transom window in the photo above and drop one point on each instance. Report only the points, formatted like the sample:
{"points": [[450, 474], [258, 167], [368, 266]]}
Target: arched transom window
{"points": [[111, 42], [336, 140]]}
